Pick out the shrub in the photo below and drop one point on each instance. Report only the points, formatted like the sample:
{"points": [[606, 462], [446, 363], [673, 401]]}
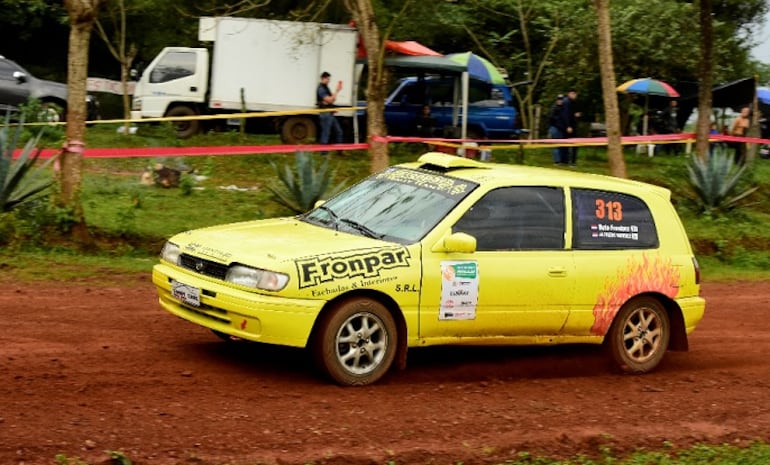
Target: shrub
{"points": [[303, 186], [716, 180], [20, 180]]}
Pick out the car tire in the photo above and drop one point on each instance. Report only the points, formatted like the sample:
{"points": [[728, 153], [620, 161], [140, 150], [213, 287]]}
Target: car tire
{"points": [[186, 128], [639, 335], [298, 130], [355, 343]]}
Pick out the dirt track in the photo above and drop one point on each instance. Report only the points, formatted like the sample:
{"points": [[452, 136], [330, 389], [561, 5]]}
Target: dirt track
{"points": [[86, 369]]}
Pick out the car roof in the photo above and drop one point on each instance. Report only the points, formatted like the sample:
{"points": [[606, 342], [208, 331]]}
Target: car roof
{"points": [[501, 174]]}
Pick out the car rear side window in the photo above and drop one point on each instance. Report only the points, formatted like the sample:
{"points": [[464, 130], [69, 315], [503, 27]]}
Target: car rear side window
{"points": [[516, 218], [611, 220]]}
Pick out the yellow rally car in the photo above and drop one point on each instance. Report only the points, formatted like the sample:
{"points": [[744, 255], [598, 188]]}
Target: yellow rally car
{"points": [[447, 250]]}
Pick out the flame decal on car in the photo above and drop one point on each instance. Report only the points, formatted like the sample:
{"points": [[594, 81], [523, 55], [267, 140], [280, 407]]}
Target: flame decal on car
{"points": [[652, 274]]}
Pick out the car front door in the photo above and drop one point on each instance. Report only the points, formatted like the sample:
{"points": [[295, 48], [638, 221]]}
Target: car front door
{"points": [[12, 91], [518, 282]]}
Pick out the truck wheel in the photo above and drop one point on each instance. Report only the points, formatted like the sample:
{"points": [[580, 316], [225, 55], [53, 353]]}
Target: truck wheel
{"points": [[639, 335], [298, 130], [185, 128], [355, 343]]}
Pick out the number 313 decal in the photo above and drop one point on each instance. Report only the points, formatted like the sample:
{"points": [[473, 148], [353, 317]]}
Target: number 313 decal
{"points": [[611, 210]]}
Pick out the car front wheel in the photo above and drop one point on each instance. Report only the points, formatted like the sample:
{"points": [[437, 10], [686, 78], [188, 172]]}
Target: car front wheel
{"points": [[639, 336], [355, 343]]}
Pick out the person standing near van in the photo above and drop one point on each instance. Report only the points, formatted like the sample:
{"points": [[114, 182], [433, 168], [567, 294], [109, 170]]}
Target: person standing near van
{"points": [[571, 116], [325, 98], [740, 128], [556, 127]]}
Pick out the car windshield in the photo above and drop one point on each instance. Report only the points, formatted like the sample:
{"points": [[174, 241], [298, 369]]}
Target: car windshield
{"points": [[399, 205]]}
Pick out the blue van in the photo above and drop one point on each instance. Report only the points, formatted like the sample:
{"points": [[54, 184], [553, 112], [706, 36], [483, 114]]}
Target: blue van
{"points": [[491, 113]]}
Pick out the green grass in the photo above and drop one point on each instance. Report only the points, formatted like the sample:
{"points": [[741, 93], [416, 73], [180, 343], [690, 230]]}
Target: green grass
{"points": [[132, 220], [757, 453]]}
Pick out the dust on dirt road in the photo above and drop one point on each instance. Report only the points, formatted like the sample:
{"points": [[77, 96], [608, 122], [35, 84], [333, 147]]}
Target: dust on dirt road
{"points": [[86, 369]]}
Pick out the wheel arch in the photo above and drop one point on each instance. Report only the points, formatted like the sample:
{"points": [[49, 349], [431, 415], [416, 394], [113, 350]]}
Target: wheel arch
{"points": [[384, 299], [678, 340], [55, 100], [197, 108]]}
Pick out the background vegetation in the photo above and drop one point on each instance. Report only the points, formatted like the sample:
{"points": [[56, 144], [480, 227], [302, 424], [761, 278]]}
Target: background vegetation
{"points": [[551, 42], [130, 220]]}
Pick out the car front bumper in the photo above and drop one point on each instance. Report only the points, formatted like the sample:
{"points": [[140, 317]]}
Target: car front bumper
{"points": [[248, 315]]}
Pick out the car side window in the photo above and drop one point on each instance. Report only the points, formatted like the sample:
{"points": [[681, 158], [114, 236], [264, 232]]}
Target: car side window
{"points": [[516, 218], [6, 71], [174, 65], [611, 220]]}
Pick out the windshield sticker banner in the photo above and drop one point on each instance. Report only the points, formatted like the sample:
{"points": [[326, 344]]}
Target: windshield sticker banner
{"points": [[450, 187], [317, 270], [459, 290]]}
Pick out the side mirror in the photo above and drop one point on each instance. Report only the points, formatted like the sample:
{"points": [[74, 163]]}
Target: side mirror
{"points": [[318, 203], [456, 243], [19, 76]]}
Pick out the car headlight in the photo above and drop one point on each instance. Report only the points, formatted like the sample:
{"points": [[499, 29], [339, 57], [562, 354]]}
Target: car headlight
{"points": [[256, 278], [170, 253]]}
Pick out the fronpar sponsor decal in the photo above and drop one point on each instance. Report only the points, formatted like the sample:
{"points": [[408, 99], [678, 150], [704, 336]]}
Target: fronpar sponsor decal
{"points": [[316, 270], [651, 274]]}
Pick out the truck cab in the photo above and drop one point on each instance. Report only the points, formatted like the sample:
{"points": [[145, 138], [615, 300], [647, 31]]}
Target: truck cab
{"points": [[491, 113]]}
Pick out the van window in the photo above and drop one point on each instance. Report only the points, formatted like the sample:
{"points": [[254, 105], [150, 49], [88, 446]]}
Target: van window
{"points": [[173, 65], [610, 220], [440, 92], [516, 218]]}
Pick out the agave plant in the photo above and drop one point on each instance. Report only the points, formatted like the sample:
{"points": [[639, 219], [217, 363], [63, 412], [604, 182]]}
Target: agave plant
{"points": [[716, 179], [303, 185], [20, 179]]}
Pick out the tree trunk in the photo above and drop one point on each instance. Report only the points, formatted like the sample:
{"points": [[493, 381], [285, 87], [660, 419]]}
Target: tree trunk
{"points": [[363, 15], [82, 14], [706, 80], [609, 92]]}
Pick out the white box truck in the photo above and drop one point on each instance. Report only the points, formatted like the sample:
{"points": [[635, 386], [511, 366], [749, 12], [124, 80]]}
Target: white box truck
{"points": [[256, 65]]}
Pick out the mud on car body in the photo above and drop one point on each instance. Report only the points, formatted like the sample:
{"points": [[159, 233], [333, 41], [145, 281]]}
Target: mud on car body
{"points": [[447, 250]]}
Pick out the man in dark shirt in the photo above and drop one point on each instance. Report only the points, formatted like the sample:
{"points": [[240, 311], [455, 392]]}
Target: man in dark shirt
{"points": [[325, 99]]}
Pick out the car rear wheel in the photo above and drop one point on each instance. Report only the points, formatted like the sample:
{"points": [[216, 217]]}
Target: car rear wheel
{"points": [[355, 343], [184, 128], [639, 336]]}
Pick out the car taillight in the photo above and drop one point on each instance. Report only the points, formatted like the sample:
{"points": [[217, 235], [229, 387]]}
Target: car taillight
{"points": [[697, 270]]}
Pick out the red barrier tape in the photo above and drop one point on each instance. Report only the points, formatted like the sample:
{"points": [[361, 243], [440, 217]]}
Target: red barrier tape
{"points": [[626, 140], [137, 152]]}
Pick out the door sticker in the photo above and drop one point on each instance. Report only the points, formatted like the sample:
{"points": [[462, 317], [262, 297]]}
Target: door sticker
{"points": [[459, 290]]}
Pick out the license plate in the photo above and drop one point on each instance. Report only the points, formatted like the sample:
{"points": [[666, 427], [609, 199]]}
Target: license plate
{"points": [[187, 294]]}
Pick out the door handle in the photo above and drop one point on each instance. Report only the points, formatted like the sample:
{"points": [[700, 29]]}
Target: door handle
{"points": [[557, 272]]}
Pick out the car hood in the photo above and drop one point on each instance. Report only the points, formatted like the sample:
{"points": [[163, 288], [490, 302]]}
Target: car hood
{"points": [[273, 243]]}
